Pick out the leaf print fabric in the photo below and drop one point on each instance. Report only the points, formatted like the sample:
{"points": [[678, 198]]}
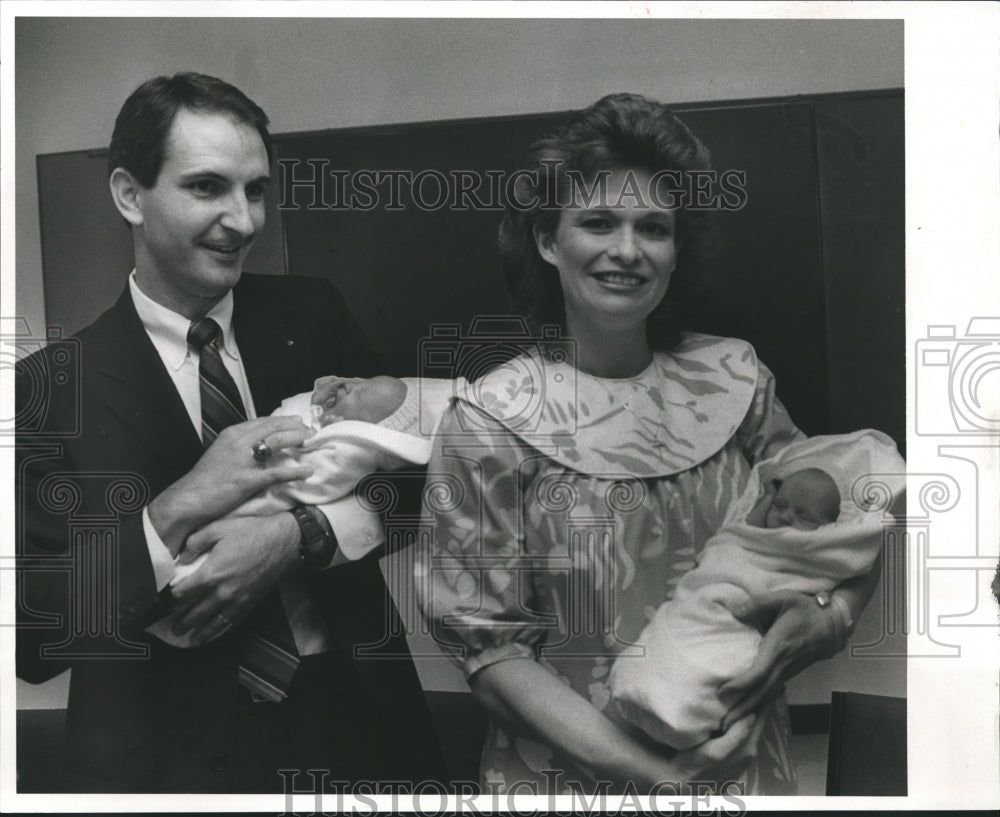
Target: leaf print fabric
{"points": [[678, 412], [561, 541]]}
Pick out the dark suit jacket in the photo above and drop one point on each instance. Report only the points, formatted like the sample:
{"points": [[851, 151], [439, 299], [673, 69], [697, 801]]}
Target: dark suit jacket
{"points": [[102, 431]]}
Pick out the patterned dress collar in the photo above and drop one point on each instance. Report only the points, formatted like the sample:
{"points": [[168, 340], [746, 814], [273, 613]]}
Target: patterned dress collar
{"points": [[676, 414]]}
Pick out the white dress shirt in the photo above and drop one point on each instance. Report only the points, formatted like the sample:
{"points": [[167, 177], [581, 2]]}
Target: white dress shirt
{"points": [[358, 531]]}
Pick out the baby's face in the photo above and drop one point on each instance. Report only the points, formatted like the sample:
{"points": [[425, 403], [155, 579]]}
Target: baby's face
{"points": [[803, 502], [372, 400]]}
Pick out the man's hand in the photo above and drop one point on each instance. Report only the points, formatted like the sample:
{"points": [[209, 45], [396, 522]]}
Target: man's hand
{"points": [[797, 633], [225, 476], [247, 557]]}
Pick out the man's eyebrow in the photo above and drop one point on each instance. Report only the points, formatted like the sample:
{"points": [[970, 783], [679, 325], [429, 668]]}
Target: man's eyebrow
{"points": [[203, 174], [211, 174]]}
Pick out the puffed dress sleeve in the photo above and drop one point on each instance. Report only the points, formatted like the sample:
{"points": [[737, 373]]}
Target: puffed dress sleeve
{"points": [[766, 428], [472, 579]]}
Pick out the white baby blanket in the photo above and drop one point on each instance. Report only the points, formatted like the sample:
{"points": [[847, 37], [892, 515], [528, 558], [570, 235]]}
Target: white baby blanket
{"points": [[693, 644], [340, 454]]}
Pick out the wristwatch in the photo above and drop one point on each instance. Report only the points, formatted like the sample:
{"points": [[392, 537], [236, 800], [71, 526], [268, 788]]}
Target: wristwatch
{"points": [[317, 546]]}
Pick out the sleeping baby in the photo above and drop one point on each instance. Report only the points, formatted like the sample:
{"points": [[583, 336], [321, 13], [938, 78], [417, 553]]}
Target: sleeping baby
{"points": [[362, 426], [801, 525], [803, 500]]}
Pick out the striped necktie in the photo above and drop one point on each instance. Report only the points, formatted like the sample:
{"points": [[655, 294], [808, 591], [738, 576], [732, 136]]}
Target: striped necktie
{"points": [[268, 658], [221, 405]]}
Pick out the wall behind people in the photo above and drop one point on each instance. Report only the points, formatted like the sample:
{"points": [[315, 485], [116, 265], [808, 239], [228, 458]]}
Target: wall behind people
{"points": [[309, 75], [73, 73]]}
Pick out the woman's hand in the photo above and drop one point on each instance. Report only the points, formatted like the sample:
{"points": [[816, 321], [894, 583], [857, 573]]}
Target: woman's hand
{"points": [[797, 633], [542, 707], [723, 758]]}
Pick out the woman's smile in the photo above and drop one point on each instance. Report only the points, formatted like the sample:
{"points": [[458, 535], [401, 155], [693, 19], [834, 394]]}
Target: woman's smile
{"points": [[615, 259], [623, 281]]}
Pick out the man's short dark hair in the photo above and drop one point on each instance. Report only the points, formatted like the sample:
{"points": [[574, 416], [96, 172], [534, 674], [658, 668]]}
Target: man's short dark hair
{"points": [[138, 143]]}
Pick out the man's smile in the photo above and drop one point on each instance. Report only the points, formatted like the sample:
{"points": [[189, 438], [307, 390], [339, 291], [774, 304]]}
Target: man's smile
{"points": [[224, 248]]}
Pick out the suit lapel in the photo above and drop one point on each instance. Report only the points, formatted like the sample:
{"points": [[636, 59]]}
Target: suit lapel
{"points": [[141, 394], [275, 351], [274, 346]]}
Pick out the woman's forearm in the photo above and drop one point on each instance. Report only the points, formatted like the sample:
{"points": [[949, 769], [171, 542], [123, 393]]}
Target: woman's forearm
{"points": [[855, 594], [538, 704], [857, 591]]}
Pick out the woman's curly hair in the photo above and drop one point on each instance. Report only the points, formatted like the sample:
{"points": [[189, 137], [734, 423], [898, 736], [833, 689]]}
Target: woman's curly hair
{"points": [[619, 131]]}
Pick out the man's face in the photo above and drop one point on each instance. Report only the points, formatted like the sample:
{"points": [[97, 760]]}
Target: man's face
{"points": [[201, 216]]}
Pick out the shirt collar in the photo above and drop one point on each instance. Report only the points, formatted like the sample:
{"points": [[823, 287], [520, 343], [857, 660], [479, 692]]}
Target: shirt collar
{"points": [[676, 414], [168, 329]]}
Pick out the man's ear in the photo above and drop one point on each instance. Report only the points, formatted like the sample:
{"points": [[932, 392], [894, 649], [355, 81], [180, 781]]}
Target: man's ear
{"points": [[544, 242], [127, 195]]}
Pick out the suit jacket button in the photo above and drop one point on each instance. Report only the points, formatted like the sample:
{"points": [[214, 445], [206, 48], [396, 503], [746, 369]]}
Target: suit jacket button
{"points": [[219, 762], [134, 607]]}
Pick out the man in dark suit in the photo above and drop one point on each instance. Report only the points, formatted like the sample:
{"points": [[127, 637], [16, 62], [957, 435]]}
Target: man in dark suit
{"points": [[264, 668]]}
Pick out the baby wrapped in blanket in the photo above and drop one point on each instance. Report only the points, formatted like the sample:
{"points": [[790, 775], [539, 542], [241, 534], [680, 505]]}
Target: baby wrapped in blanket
{"points": [[362, 426], [807, 523]]}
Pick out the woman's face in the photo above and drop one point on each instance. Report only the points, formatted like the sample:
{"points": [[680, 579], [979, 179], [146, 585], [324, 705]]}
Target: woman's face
{"points": [[615, 255]]}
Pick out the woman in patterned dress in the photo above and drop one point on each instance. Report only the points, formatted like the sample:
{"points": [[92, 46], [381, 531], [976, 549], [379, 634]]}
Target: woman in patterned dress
{"points": [[573, 487]]}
